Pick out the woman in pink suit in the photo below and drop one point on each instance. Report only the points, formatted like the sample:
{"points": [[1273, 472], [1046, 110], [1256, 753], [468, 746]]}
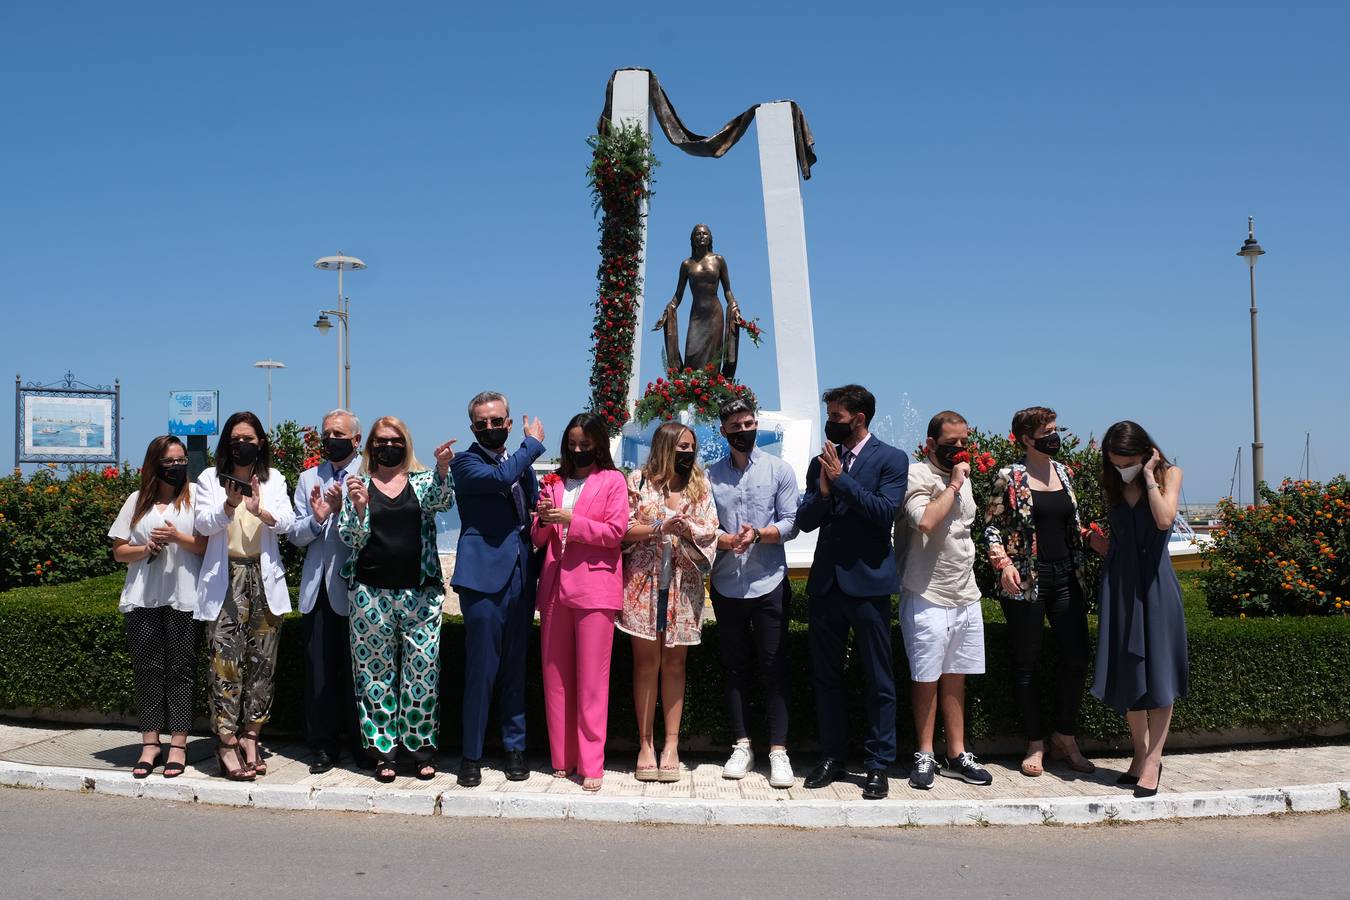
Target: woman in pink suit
{"points": [[580, 523]]}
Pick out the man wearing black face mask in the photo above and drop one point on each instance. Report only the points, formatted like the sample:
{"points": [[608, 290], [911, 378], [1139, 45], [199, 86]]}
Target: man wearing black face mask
{"points": [[756, 498], [330, 705], [493, 578], [853, 489]]}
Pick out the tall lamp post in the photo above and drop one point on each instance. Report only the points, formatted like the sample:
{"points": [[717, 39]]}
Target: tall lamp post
{"points": [[342, 314], [1251, 250], [269, 365]]}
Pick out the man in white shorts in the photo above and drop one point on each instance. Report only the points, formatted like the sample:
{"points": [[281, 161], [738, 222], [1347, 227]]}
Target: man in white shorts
{"points": [[939, 600]]}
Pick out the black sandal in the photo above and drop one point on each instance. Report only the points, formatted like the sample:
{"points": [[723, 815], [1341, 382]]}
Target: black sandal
{"points": [[142, 769], [426, 772], [385, 773], [243, 773], [174, 769], [259, 765]]}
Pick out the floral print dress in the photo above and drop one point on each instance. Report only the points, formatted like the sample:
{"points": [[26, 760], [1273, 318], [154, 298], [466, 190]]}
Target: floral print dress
{"points": [[693, 559]]}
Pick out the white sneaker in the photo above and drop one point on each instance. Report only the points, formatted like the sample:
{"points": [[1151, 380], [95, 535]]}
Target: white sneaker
{"points": [[780, 769], [741, 761]]}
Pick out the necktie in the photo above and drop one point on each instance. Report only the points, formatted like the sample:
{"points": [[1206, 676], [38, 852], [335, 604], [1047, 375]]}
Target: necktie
{"points": [[845, 458], [517, 495]]}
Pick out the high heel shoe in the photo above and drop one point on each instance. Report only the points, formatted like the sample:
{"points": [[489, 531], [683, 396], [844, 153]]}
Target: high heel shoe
{"points": [[259, 764], [1127, 780], [1143, 792], [243, 773], [1078, 763], [174, 769], [142, 769]]}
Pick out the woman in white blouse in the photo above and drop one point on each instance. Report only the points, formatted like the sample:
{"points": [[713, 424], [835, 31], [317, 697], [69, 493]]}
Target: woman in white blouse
{"points": [[241, 505], [155, 537]]}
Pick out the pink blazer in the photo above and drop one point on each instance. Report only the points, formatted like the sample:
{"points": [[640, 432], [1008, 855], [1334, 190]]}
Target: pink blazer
{"points": [[588, 572]]}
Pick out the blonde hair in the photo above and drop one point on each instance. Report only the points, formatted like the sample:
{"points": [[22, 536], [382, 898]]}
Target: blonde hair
{"points": [[660, 467], [410, 463]]}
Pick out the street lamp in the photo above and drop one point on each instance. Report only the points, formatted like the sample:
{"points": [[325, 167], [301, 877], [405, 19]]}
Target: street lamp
{"points": [[342, 314], [269, 365], [1251, 250]]}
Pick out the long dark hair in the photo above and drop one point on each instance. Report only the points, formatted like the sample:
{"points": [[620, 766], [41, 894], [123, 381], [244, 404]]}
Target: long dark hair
{"points": [[263, 464], [152, 476], [599, 435], [1127, 439]]}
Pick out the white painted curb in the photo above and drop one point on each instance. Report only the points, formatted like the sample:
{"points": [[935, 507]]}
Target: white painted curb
{"points": [[585, 808]]}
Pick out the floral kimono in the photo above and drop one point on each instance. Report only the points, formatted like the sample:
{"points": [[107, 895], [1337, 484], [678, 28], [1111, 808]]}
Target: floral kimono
{"points": [[1010, 527], [693, 558]]}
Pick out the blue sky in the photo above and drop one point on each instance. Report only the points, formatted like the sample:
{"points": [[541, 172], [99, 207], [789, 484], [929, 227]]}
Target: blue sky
{"points": [[1012, 206]]}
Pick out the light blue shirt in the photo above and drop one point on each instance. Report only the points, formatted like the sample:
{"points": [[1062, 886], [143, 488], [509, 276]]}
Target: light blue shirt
{"points": [[325, 554], [764, 493]]}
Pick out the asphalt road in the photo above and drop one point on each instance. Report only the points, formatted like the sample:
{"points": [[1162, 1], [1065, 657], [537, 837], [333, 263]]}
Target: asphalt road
{"points": [[55, 844]]}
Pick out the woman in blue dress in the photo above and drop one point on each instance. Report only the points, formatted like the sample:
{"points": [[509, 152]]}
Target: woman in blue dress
{"points": [[1142, 666]]}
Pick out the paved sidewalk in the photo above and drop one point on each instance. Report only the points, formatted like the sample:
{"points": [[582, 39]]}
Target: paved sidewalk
{"points": [[1232, 782]]}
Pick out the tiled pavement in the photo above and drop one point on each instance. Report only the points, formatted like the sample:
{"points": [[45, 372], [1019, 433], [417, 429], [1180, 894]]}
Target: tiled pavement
{"points": [[1194, 783]]}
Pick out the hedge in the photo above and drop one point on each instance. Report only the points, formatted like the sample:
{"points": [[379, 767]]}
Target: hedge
{"points": [[63, 648]]}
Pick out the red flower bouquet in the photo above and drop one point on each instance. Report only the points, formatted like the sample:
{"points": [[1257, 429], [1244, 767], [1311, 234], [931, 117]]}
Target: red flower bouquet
{"points": [[980, 460], [750, 327]]}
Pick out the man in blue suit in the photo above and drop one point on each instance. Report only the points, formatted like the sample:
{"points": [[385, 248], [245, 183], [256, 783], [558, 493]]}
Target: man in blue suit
{"points": [[493, 578], [330, 700], [853, 490]]}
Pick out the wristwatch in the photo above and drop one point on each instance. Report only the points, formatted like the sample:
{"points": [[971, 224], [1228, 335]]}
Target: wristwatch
{"points": [[758, 536]]}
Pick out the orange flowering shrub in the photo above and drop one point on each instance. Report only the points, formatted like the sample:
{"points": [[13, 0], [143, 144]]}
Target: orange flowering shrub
{"points": [[55, 529], [1290, 556]]}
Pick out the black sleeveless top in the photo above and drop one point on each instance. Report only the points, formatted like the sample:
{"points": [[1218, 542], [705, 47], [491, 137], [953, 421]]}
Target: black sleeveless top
{"points": [[392, 558], [1052, 513]]}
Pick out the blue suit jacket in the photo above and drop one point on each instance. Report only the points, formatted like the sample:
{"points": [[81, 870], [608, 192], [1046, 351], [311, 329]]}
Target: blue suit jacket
{"points": [[856, 521], [492, 539]]}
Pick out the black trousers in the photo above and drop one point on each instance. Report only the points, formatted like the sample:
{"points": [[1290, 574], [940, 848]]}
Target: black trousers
{"points": [[330, 699], [1059, 599], [832, 616], [749, 631], [163, 646]]}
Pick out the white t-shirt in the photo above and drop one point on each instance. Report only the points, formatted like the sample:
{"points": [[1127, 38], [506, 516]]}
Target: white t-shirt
{"points": [[939, 566], [571, 491], [169, 578]]}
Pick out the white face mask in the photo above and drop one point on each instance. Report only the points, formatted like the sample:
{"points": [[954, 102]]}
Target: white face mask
{"points": [[1128, 473]]}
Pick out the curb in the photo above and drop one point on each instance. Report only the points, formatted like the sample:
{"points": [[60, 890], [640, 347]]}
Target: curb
{"points": [[637, 810]]}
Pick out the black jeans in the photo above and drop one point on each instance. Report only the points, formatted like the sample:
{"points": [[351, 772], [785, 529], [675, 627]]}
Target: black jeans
{"points": [[1059, 599], [750, 630]]}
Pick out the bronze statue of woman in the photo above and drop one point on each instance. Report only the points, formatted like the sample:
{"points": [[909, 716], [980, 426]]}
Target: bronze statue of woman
{"points": [[712, 338]]}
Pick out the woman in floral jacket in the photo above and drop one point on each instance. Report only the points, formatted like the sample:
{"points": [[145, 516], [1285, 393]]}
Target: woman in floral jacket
{"points": [[669, 549], [389, 521], [1036, 547]]}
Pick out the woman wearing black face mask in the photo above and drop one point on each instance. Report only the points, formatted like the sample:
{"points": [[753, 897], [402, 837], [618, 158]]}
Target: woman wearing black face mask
{"points": [[1036, 547], [241, 504], [389, 521], [155, 536], [671, 541], [580, 521]]}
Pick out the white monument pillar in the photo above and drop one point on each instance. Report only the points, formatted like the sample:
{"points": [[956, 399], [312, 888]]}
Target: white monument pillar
{"points": [[790, 284], [632, 103]]}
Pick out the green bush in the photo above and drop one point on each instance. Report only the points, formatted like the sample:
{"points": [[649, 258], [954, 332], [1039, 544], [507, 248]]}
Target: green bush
{"points": [[1290, 556], [63, 648]]}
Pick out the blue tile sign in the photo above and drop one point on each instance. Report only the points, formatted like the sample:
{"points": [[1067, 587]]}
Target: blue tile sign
{"points": [[194, 412]]}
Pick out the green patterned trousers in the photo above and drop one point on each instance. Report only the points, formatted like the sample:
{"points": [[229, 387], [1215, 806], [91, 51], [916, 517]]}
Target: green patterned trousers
{"points": [[396, 669]]}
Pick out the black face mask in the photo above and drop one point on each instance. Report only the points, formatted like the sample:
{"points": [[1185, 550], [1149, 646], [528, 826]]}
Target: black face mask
{"points": [[174, 476], [743, 441], [684, 462], [337, 449], [243, 453], [944, 454], [838, 432], [389, 455], [492, 438], [583, 459], [1049, 445]]}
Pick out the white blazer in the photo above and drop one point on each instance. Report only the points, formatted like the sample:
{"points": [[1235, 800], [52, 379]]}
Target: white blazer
{"points": [[208, 509]]}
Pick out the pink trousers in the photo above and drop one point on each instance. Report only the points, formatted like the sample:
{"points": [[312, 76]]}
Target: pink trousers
{"points": [[575, 645]]}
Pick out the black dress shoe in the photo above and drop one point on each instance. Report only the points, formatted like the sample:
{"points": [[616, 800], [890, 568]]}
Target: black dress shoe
{"points": [[822, 775], [470, 773], [876, 787], [515, 767], [323, 762]]}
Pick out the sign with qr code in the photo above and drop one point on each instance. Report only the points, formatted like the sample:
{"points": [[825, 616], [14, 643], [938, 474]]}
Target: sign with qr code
{"points": [[194, 412]]}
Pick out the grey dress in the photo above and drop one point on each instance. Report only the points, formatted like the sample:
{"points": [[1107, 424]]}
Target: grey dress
{"points": [[1141, 637]]}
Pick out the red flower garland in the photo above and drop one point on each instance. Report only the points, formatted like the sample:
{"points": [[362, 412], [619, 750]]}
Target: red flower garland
{"points": [[620, 176], [701, 392]]}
